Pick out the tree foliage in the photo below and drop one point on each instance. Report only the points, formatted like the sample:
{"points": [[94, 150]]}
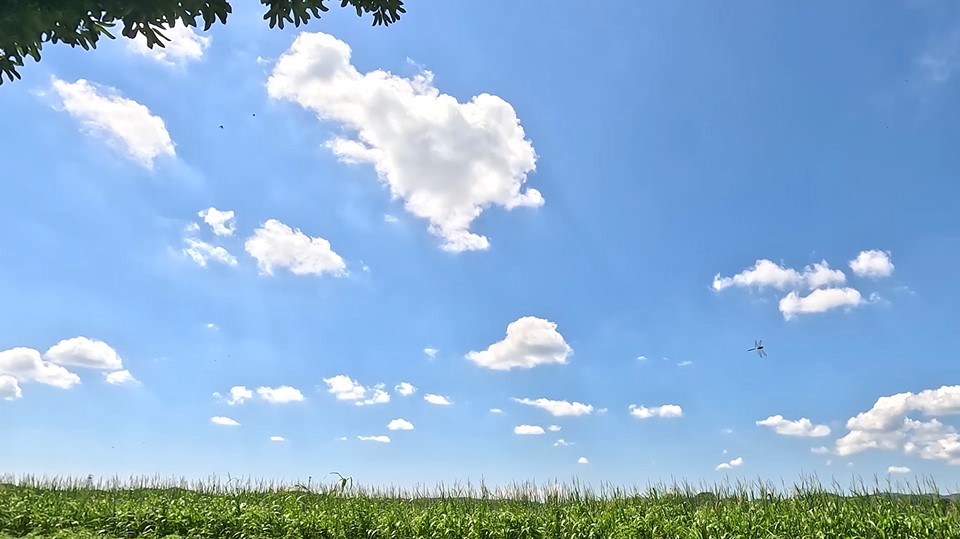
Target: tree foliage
{"points": [[25, 25]]}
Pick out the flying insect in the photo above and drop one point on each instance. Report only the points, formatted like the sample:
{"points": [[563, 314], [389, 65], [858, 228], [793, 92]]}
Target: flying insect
{"points": [[758, 347]]}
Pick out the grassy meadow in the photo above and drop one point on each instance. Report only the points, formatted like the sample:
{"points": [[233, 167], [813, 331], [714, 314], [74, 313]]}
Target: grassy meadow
{"points": [[71, 508]]}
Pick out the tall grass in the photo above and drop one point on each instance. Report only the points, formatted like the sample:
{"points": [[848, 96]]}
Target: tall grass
{"points": [[155, 507]]}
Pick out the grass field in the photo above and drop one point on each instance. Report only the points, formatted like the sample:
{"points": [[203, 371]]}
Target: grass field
{"points": [[150, 508]]}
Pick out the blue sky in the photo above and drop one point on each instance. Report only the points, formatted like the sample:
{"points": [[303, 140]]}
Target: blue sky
{"points": [[667, 182]]}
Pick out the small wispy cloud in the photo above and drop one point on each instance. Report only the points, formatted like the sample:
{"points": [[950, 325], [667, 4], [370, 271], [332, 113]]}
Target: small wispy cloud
{"points": [[346, 388], [122, 377], [238, 394], [405, 388], [940, 59], [527, 430], [558, 407], [666, 410], [185, 45], [400, 424], [735, 463], [280, 395], [799, 427], [439, 400]]}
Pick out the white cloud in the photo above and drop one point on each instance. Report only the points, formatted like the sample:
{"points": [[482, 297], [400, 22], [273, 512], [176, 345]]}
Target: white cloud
{"points": [[261, 60], [602, 411], [377, 396], [380, 439], [280, 395], [448, 161], [800, 427], [940, 58], [526, 430], [202, 252], [887, 426], [641, 358], [431, 352], [820, 275], [84, 352], [496, 411], [583, 460], [399, 424], [341, 439], [768, 274], [224, 421], [873, 263], [390, 218], [185, 45], [122, 377], [819, 301], [223, 223], [820, 450], [730, 465], [727, 431], [561, 443], [530, 341], [405, 388], [898, 469], [9, 388], [238, 394], [124, 124], [684, 364], [763, 274], [558, 408], [554, 428], [211, 325], [276, 245], [667, 411], [346, 388], [26, 365], [439, 400], [277, 439]]}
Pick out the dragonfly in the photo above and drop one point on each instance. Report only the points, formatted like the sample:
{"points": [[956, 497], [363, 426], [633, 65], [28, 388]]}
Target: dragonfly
{"points": [[758, 347]]}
